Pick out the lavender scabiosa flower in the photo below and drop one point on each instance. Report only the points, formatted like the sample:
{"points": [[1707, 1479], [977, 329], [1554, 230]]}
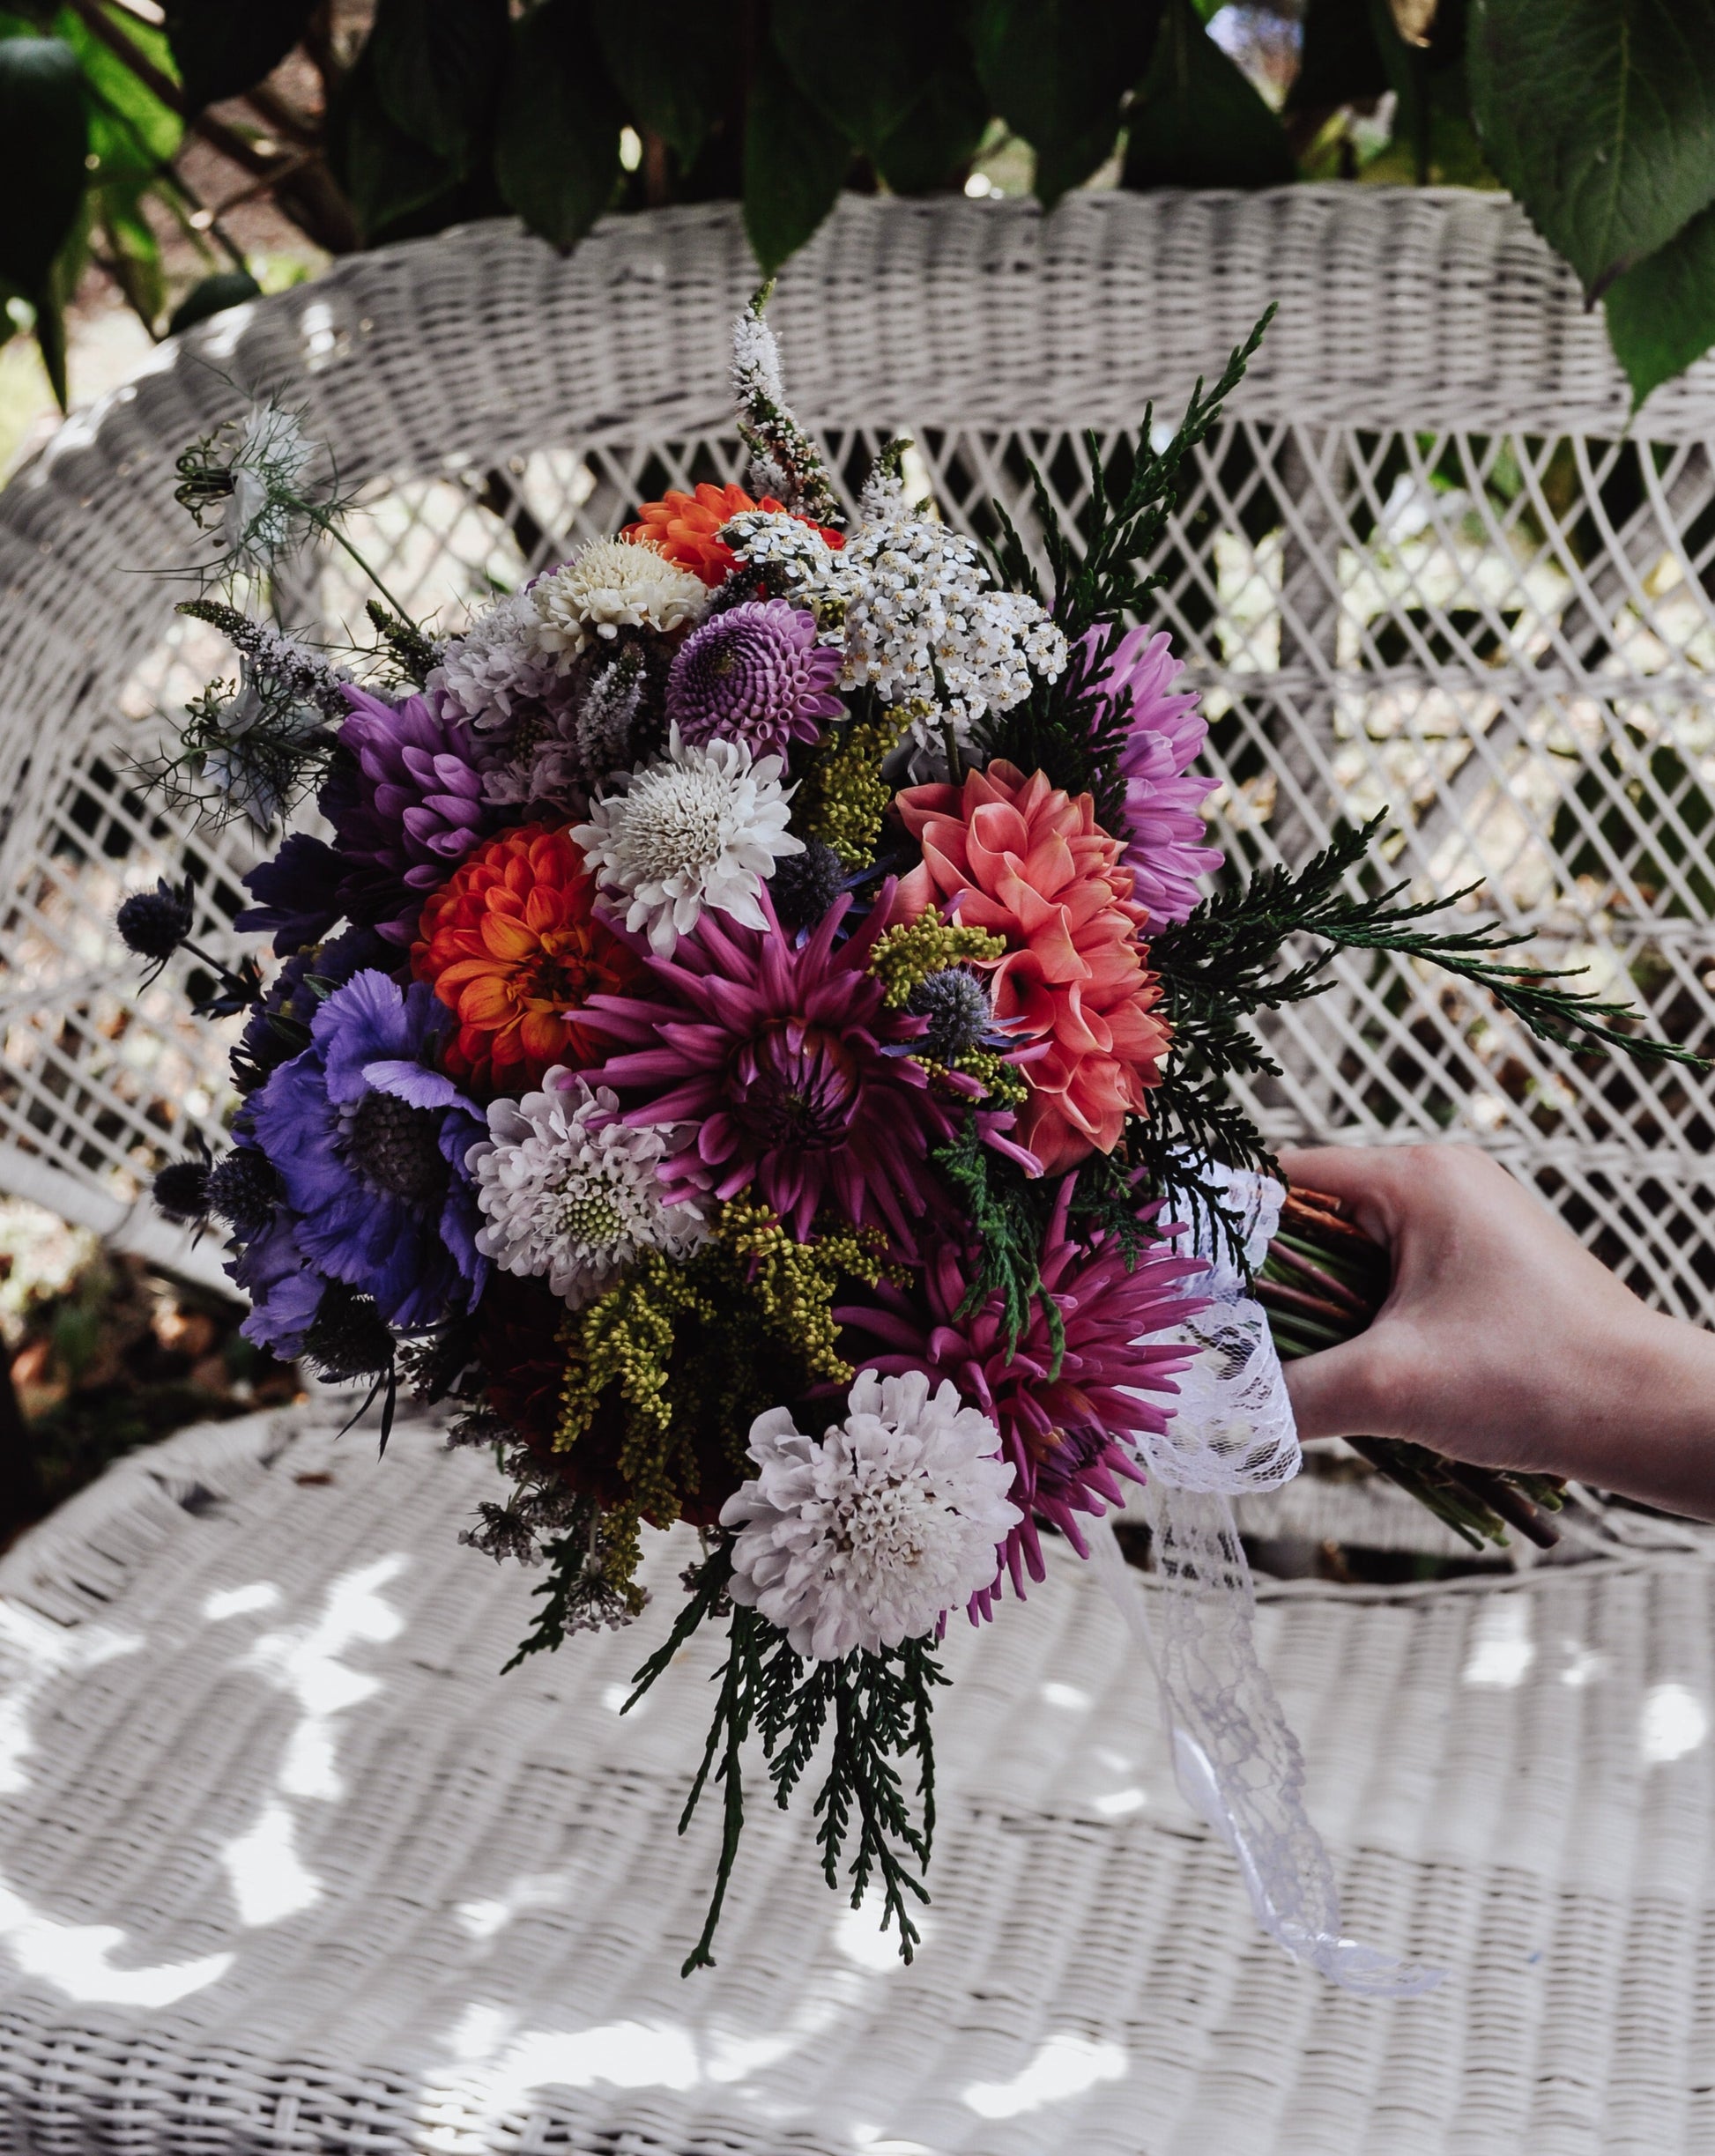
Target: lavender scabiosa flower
{"points": [[495, 676], [867, 1536], [757, 674], [1163, 795], [368, 1140], [569, 1191]]}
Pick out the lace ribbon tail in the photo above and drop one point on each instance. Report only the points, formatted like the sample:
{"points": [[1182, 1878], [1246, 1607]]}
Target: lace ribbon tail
{"points": [[1236, 1759]]}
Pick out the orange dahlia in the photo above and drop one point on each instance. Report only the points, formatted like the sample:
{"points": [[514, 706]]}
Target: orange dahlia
{"points": [[1025, 861], [513, 946], [687, 528]]}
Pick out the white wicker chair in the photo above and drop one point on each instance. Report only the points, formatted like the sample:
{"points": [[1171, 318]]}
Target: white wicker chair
{"points": [[241, 1913]]}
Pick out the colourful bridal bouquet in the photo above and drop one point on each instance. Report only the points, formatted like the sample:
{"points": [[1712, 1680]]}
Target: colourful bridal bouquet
{"points": [[747, 1035]]}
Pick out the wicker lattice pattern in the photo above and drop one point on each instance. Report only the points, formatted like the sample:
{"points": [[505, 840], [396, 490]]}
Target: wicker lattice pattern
{"points": [[284, 1867], [1423, 565]]}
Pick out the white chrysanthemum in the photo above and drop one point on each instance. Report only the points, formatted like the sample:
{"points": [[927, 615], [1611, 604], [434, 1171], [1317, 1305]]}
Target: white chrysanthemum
{"points": [[568, 1190], [495, 664], [921, 604], [703, 826], [610, 585], [862, 1537], [262, 517]]}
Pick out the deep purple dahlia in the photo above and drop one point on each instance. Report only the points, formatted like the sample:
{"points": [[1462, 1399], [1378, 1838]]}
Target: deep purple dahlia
{"points": [[368, 1140], [1064, 1417], [1163, 795], [776, 1055], [756, 674]]}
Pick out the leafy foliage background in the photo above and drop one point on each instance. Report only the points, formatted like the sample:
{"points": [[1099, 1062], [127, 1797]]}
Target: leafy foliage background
{"points": [[369, 122]]}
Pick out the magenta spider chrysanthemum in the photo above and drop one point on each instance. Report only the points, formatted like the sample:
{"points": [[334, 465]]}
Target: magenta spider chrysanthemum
{"points": [[778, 1057], [1166, 852], [1069, 1433]]}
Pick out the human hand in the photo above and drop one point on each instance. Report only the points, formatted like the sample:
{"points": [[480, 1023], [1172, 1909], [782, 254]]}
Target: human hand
{"points": [[1502, 1342]]}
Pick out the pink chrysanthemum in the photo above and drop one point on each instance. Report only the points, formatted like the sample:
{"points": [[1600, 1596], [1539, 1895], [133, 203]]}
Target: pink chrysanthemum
{"points": [[1064, 1430], [778, 1057], [1164, 797]]}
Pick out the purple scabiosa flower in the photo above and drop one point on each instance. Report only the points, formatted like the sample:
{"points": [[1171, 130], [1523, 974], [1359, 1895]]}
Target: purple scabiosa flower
{"points": [[368, 1139], [1065, 1417], [776, 1054], [278, 1027], [284, 1288], [754, 674], [1163, 795]]}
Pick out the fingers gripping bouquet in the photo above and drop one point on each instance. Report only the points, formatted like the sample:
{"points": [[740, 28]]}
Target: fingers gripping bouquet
{"points": [[751, 1041]]}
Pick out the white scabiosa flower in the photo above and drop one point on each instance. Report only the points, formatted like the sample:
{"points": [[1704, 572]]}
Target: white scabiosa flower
{"points": [[865, 1537], [610, 585], [703, 827], [569, 1191]]}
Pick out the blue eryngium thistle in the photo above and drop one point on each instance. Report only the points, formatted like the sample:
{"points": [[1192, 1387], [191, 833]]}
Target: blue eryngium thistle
{"points": [[153, 923], [960, 1014], [182, 1191]]}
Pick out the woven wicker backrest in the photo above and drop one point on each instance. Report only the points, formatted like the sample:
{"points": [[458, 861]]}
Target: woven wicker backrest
{"points": [[1423, 564]]}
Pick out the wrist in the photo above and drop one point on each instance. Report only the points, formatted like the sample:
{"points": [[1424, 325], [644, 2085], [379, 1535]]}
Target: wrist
{"points": [[1646, 1427]]}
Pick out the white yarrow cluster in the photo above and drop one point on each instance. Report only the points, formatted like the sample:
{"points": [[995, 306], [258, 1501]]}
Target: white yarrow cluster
{"points": [[792, 556], [263, 517], [496, 664], [701, 826], [920, 604], [569, 1191], [610, 585], [862, 1537]]}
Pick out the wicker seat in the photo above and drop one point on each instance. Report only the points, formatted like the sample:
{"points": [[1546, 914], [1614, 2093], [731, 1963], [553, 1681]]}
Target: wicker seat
{"points": [[281, 1865]]}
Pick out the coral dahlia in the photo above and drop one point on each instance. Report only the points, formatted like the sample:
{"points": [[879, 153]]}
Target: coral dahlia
{"points": [[778, 1057], [1067, 1420], [514, 946], [687, 528], [1023, 860]]}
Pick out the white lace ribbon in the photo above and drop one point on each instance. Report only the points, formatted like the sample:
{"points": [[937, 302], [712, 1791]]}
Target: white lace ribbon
{"points": [[1236, 1759]]}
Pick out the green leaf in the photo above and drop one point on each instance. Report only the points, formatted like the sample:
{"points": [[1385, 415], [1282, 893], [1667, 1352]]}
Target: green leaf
{"points": [[1198, 121], [224, 46], [226, 288], [938, 135], [557, 150], [1661, 314], [44, 135], [132, 133], [861, 62], [386, 176], [795, 163], [436, 66], [1056, 70], [1340, 62], [672, 62], [1599, 115]]}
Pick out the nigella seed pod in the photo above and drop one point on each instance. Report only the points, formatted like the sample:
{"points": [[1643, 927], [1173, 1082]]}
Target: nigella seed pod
{"points": [[153, 923]]}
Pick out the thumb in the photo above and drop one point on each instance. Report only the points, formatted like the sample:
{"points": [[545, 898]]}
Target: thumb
{"points": [[1336, 1393]]}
